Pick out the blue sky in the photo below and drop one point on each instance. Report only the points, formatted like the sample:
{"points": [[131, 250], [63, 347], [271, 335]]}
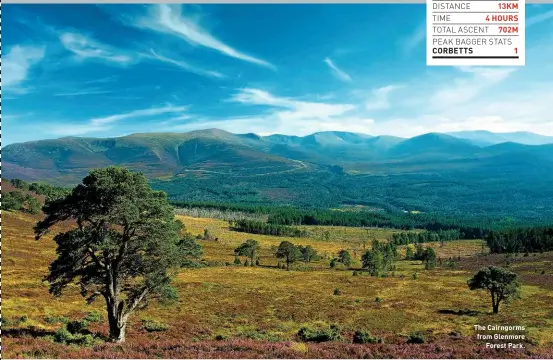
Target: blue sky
{"points": [[113, 70]]}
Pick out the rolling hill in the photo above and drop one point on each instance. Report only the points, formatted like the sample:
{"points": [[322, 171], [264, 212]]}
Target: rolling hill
{"points": [[431, 172]]}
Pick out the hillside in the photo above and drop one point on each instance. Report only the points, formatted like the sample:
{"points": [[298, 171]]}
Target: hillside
{"points": [[232, 311], [429, 173]]}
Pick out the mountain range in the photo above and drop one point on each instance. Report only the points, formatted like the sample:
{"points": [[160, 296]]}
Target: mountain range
{"points": [[473, 174], [161, 155]]}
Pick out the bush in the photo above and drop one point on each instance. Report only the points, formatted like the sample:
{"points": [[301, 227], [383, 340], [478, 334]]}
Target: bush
{"points": [[62, 336], [337, 292], [378, 300], [355, 273], [365, 337], [56, 319], [237, 261], [331, 333], [153, 326], [416, 338], [14, 322], [77, 327], [220, 337], [415, 276], [93, 316]]}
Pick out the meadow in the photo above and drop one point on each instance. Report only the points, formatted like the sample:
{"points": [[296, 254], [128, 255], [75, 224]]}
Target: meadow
{"points": [[236, 311]]}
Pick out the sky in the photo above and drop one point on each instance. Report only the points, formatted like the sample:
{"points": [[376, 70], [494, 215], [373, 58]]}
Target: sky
{"points": [[113, 70]]}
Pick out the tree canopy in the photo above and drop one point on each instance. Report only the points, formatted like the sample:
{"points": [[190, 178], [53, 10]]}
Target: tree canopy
{"points": [[501, 283], [248, 249], [124, 245], [289, 252]]}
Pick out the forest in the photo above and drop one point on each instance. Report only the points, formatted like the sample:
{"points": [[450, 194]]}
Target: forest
{"points": [[521, 240]]}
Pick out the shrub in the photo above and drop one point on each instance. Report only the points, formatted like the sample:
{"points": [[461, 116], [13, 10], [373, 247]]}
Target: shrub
{"points": [[62, 336], [365, 337], [83, 340], [14, 322], [416, 338], [337, 292], [355, 273], [76, 327], [220, 337], [257, 262], [415, 276], [260, 336], [93, 316], [153, 326], [56, 319], [378, 300], [237, 261], [332, 333]]}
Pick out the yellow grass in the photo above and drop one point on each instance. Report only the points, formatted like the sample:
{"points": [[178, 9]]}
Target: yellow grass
{"points": [[233, 300]]}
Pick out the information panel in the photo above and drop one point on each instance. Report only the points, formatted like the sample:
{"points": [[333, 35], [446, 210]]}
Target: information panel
{"points": [[476, 32]]}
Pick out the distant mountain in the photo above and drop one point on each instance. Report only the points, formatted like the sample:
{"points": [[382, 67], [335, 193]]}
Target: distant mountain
{"points": [[155, 154], [214, 151], [486, 138], [433, 146], [430, 172]]}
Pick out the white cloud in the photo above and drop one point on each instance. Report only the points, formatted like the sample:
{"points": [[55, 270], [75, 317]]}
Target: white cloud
{"points": [[539, 18], [83, 93], [168, 18], [138, 113], [340, 74], [17, 63], [463, 89], [85, 47], [184, 65], [75, 129], [106, 123], [290, 116], [380, 100], [415, 39]]}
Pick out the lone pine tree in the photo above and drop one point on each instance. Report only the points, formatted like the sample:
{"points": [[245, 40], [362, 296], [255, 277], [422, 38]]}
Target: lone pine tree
{"points": [[125, 244], [502, 284]]}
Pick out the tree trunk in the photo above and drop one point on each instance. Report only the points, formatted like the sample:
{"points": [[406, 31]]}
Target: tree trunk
{"points": [[117, 324], [117, 332], [495, 303]]}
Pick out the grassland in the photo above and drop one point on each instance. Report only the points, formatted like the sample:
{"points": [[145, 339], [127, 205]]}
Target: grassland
{"points": [[255, 312]]}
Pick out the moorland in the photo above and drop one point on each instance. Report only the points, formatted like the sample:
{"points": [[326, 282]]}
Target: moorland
{"points": [[329, 305]]}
